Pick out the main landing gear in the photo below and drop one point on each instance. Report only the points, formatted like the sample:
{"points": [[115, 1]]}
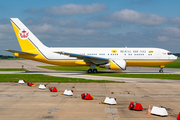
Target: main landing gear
{"points": [[92, 68], [161, 70], [92, 71]]}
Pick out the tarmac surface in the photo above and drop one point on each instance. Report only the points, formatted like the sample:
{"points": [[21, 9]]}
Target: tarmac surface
{"points": [[19, 101]]}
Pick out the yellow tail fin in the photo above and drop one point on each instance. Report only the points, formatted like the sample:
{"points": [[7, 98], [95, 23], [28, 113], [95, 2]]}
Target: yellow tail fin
{"points": [[27, 40]]}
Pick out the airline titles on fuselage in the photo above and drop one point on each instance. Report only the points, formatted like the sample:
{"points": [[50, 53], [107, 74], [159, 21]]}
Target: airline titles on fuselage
{"points": [[124, 52]]}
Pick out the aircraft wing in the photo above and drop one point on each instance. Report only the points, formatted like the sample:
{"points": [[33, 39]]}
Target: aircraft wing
{"points": [[15, 51], [86, 58]]}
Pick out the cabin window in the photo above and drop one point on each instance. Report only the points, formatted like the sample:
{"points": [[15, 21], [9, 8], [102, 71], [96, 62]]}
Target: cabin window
{"points": [[92, 54], [135, 51], [138, 54]]}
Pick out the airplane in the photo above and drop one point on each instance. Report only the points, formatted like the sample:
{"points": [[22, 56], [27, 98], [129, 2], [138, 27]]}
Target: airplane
{"points": [[112, 58]]}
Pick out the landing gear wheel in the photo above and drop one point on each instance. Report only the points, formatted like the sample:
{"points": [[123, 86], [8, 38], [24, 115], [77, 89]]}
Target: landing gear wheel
{"points": [[161, 70], [89, 71], [94, 70]]}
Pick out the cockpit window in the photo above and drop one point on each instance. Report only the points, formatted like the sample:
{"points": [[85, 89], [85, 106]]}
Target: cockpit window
{"points": [[170, 53]]}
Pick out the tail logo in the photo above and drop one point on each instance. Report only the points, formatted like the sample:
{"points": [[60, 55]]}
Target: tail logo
{"points": [[23, 34]]}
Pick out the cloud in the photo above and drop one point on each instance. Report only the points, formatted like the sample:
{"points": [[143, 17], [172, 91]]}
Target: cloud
{"points": [[175, 20], [32, 10], [131, 16], [42, 28], [7, 38], [162, 38], [99, 25], [66, 23], [70, 9], [51, 33], [5, 27], [5, 30], [37, 21], [171, 31], [167, 35], [4, 21], [77, 31]]}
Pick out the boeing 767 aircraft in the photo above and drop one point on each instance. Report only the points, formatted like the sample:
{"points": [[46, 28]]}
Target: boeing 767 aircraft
{"points": [[112, 58]]}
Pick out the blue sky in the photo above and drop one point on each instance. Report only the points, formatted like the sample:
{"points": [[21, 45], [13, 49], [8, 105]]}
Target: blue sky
{"points": [[95, 23]]}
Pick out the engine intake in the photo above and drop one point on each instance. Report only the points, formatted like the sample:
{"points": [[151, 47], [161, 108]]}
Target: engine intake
{"points": [[115, 65]]}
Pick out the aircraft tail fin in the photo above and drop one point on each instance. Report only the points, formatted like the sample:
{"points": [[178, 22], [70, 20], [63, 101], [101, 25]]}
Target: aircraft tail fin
{"points": [[27, 40]]}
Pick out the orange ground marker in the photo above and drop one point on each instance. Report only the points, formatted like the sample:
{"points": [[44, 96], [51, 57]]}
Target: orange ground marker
{"points": [[149, 109]]}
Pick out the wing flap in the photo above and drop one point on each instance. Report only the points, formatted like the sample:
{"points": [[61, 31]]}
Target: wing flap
{"points": [[86, 58], [20, 52]]}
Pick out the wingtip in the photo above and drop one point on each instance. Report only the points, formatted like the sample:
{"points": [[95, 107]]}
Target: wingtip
{"points": [[6, 49]]}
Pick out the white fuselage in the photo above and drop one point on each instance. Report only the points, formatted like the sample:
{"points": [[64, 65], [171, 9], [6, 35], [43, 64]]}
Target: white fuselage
{"points": [[113, 53]]}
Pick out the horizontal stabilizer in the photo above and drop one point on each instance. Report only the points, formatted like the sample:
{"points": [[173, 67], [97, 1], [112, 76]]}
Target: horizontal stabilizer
{"points": [[15, 51]]}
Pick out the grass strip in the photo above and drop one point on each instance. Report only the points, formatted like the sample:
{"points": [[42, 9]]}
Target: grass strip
{"points": [[152, 76], [46, 78], [70, 68], [12, 69]]}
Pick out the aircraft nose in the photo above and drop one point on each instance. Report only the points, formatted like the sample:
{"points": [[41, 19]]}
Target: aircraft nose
{"points": [[175, 57]]}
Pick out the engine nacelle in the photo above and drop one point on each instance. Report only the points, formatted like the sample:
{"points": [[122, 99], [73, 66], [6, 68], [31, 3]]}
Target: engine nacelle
{"points": [[115, 65]]}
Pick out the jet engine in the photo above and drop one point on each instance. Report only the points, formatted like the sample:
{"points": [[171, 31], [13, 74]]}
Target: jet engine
{"points": [[115, 65]]}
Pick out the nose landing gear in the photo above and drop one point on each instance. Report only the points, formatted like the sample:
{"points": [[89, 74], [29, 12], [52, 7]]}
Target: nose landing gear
{"points": [[161, 70]]}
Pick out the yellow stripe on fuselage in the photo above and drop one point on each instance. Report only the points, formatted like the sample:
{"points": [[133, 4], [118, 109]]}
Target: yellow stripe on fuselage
{"points": [[82, 63], [148, 62]]}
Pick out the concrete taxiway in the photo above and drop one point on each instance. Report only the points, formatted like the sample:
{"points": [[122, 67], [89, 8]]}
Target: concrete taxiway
{"points": [[19, 101]]}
